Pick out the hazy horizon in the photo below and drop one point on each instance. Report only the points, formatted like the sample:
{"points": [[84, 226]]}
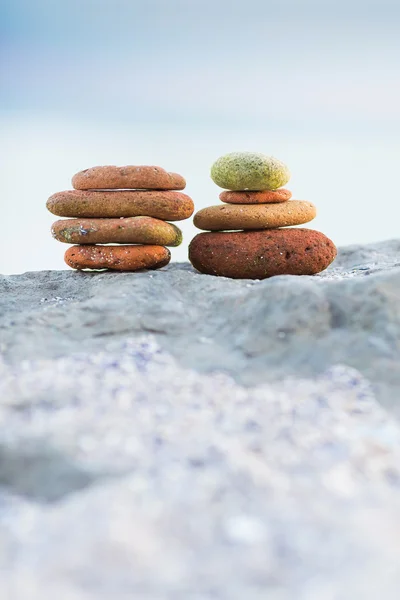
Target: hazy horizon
{"points": [[177, 84]]}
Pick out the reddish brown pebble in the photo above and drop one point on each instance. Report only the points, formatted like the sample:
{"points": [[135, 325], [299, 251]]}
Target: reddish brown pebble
{"points": [[165, 205], [118, 258], [225, 217], [261, 254], [265, 197], [133, 230], [129, 177]]}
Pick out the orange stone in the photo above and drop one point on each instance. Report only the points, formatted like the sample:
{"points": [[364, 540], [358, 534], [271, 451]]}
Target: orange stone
{"points": [[132, 230], [261, 254], [118, 258], [264, 197], [165, 205], [228, 217], [129, 177]]}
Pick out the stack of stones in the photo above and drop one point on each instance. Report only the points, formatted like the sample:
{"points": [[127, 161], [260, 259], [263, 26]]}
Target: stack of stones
{"points": [[249, 236], [128, 206]]}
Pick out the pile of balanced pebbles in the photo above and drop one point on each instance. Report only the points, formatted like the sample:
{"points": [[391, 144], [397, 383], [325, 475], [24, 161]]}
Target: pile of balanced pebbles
{"points": [[250, 234], [126, 207]]}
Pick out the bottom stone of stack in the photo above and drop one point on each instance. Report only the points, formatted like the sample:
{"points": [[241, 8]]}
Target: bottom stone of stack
{"points": [[118, 258], [259, 254]]}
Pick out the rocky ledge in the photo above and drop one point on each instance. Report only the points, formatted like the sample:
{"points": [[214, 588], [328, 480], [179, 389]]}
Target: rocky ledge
{"points": [[172, 435]]}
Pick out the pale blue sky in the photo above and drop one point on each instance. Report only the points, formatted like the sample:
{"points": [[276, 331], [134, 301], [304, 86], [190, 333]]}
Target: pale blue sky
{"points": [[178, 83], [313, 64]]}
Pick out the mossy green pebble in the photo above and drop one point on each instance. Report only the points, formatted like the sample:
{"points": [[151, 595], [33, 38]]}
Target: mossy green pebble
{"points": [[239, 171]]}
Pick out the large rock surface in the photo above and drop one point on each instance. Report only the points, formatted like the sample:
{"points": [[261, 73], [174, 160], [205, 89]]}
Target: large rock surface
{"points": [[171, 435], [256, 331]]}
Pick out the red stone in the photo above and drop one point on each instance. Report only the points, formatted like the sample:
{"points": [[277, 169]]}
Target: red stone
{"points": [[264, 197], [261, 254]]}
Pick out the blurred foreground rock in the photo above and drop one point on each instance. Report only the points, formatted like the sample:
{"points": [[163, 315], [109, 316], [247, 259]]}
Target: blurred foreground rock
{"points": [[170, 435]]}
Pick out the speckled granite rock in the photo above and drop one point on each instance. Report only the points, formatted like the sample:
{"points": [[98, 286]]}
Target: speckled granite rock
{"points": [[129, 470]]}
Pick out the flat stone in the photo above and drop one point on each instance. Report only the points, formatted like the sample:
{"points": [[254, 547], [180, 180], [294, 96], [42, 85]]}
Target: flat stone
{"points": [[129, 177], [225, 217], [249, 171], [261, 254], [132, 230], [265, 197], [117, 258], [165, 205]]}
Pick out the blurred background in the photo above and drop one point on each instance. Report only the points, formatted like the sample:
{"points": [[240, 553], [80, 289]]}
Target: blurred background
{"points": [[178, 83]]}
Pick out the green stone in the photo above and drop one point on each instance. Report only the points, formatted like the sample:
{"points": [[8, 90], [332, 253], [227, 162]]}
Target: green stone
{"points": [[249, 171], [179, 236]]}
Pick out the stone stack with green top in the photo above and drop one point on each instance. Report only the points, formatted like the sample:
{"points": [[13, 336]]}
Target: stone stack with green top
{"points": [[251, 234], [120, 217]]}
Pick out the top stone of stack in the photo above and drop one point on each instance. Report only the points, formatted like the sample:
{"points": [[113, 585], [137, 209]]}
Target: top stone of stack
{"points": [[129, 177], [249, 171]]}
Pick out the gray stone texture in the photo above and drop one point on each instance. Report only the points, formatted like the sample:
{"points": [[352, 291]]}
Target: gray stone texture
{"points": [[171, 435], [255, 331]]}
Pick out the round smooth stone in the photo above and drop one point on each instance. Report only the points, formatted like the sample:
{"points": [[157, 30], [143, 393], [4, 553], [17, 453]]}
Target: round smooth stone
{"points": [[165, 205], [130, 177], [118, 258], [265, 197], [249, 171], [133, 230], [226, 217], [261, 254]]}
